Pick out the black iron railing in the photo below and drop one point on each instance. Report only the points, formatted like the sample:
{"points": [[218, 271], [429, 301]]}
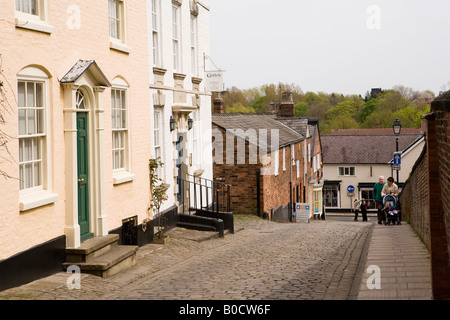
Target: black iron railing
{"points": [[198, 193]]}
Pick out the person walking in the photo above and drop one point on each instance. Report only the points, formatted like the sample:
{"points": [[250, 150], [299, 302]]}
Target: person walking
{"points": [[364, 208], [356, 205], [377, 188], [390, 188]]}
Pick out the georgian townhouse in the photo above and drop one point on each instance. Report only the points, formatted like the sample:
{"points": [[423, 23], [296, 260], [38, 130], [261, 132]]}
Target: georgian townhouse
{"points": [[95, 89], [180, 105]]}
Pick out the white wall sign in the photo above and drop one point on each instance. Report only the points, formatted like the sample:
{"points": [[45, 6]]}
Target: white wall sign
{"points": [[214, 81]]}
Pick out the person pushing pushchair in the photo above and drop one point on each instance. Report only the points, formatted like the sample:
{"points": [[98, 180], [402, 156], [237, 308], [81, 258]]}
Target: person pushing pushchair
{"points": [[391, 206]]}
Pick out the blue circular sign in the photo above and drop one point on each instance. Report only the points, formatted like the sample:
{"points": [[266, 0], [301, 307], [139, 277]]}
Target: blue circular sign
{"points": [[351, 189]]}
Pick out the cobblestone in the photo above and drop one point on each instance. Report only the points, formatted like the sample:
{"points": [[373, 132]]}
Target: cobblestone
{"points": [[262, 261]]}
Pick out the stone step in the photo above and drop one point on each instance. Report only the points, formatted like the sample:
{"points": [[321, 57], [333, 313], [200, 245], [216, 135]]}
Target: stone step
{"points": [[92, 248], [196, 226], [116, 259]]}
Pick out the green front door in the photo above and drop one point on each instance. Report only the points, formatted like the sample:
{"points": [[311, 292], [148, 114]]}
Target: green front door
{"points": [[83, 175]]}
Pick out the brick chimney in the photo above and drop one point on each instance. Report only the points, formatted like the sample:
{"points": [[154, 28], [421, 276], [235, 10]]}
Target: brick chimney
{"points": [[218, 105], [286, 108]]}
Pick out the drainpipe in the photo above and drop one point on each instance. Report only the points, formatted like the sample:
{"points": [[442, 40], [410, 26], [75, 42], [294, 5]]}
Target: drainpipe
{"points": [[290, 183]]}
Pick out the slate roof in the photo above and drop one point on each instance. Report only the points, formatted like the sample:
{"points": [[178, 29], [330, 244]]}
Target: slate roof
{"points": [[246, 122], [299, 124], [363, 149], [80, 68]]}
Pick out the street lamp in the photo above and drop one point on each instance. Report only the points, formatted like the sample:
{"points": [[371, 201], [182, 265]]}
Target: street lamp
{"points": [[172, 124], [397, 126]]}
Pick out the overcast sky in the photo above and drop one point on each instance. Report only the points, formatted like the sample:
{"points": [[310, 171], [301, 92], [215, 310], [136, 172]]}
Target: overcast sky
{"points": [[342, 46]]}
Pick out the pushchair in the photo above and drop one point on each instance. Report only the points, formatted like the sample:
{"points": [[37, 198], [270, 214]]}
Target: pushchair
{"points": [[392, 213]]}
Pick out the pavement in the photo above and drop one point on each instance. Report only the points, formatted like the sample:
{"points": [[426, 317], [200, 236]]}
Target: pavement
{"points": [[397, 265], [262, 260]]}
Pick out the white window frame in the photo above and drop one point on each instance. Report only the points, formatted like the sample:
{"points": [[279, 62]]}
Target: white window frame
{"points": [[284, 158], [118, 39], [27, 20], [176, 38], [345, 170], [338, 194], [196, 130], [158, 138], [156, 33], [309, 152], [40, 195], [194, 45], [123, 173], [277, 162]]}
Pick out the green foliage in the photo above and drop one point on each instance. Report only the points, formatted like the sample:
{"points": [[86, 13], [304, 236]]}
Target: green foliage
{"points": [[239, 108], [301, 109], [158, 191], [336, 111], [370, 107]]}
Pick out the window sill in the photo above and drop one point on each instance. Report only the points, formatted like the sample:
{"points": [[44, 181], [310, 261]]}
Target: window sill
{"points": [[123, 177], [36, 199], [114, 45], [34, 25]]}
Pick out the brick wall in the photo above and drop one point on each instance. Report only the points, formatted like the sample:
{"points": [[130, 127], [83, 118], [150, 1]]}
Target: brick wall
{"points": [[439, 160], [274, 190], [414, 200], [242, 177], [431, 176]]}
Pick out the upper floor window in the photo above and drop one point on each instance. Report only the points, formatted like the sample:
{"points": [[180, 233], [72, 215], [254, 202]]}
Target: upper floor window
{"points": [[176, 37], [115, 19], [156, 32], [346, 171], [28, 6], [194, 45], [32, 15]]}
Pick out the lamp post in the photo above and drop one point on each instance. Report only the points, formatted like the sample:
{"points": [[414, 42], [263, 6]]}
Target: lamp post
{"points": [[397, 126]]}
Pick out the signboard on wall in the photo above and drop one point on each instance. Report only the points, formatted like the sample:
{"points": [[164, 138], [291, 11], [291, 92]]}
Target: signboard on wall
{"points": [[302, 212], [214, 81]]}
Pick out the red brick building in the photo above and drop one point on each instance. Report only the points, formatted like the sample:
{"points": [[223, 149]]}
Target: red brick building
{"points": [[267, 174]]}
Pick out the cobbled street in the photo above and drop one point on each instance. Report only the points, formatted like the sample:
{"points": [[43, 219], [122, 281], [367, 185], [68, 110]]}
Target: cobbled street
{"points": [[262, 260]]}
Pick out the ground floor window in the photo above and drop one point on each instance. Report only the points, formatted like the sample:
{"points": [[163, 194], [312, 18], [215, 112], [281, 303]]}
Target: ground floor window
{"points": [[331, 196], [367, 194]]}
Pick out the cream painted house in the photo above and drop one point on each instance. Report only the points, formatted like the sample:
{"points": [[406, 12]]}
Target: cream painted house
{"points": [[358, 160], [91, 95]]}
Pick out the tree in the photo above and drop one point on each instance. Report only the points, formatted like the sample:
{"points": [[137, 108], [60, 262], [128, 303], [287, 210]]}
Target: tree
{"points": [[5, 108], [301, 109], [369, 107], [239, 108], [158, 191]]}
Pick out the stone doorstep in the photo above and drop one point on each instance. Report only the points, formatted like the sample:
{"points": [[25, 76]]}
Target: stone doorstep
{"points": [[115, 260], [92, 248]]}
